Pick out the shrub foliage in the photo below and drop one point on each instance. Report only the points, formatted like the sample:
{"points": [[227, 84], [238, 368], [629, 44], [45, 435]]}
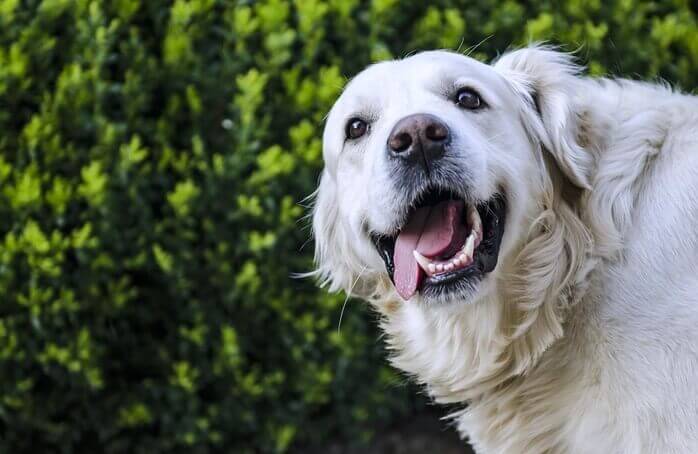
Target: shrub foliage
{"points": [[152, 159]]}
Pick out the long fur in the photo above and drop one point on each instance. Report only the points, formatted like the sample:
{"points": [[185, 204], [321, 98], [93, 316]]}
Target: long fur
{"points": [[551, 358]]}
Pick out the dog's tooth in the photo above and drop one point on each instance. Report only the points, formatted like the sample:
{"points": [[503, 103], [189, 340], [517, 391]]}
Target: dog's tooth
{"points": [[463, 258], [457, 262], [475, 221], [432, 268], [424, 262], [469, 247], [440, 267], [449, 267]]}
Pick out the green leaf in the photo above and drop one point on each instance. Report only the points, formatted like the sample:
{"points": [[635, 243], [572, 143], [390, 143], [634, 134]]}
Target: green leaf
{"points": [[94, 183]]}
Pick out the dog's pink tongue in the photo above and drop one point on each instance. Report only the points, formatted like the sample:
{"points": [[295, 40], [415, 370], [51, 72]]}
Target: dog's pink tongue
{"points": [[431, 231]]}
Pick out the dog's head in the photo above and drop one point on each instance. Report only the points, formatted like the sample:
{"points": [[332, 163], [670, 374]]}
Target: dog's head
{"points": [[438, 171]]}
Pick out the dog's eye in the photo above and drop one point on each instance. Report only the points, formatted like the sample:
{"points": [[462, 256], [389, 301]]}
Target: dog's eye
{"points": [[356, 127], [467, 98]]}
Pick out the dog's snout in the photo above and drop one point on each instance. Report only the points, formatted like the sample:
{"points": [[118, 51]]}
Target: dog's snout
{"points": [[420, 137]]}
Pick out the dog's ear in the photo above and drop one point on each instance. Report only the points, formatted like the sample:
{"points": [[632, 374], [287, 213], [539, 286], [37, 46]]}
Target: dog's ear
{"points": [[334, 258], [549, 273], [325, 231], [547, 80]]}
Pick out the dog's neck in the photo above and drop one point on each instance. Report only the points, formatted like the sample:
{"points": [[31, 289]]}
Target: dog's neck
{"points": [[464, 353], [467, 355]]}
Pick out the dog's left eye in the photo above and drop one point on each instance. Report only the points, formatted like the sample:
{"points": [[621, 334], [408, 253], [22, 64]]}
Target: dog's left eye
{"points": [[467, 98], [356, 127]]}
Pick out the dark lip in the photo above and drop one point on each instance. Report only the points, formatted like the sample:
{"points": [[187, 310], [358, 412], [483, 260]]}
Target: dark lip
{"points": [[493, 215]]}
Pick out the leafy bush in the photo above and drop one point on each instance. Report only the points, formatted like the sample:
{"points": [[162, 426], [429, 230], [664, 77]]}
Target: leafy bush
{"points": [[152, 159]]}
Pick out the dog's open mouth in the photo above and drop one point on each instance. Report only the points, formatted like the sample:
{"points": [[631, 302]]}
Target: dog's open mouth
{"points": [[445, 245]]}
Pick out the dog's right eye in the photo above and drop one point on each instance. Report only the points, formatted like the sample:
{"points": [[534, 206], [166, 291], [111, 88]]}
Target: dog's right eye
{"points": [[467, 98], [356, 127]]}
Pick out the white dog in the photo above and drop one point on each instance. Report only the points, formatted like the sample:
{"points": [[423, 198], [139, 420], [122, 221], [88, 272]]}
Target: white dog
{"points": [[529, 237]]}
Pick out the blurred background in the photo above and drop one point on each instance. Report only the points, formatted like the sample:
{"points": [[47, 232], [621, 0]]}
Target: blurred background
{"points": [[154, 156]]}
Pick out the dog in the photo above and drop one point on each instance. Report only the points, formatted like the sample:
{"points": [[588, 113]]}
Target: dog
{"points": [[528, 236]]}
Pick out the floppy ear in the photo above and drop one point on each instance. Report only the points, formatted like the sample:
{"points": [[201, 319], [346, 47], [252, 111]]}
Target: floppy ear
{"points": [[548, 80], [328, 235], [548, 275], [336, 264]]}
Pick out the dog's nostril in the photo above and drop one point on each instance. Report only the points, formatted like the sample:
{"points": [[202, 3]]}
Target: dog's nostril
{"points": [[400, 142], [436, 132]]}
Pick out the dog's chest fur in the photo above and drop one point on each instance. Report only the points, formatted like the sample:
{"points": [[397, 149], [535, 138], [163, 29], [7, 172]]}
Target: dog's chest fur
{"points": [[598, 389]]}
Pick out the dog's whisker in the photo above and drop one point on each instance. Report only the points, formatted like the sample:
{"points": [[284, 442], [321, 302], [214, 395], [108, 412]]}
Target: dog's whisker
{"points": [[460, 45], [495, 137], [346, 300], [473, 48], [305, 243]]}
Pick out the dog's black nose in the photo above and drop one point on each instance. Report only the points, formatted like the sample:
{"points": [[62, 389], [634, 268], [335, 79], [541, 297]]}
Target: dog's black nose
{"points": [[419, 137]]}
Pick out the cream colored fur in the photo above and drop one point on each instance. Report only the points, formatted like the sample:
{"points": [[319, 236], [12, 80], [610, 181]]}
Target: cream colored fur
{"points": [[585, 337]]}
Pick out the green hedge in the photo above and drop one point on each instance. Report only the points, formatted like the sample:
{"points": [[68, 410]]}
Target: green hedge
{"points": [[153, 156]]}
